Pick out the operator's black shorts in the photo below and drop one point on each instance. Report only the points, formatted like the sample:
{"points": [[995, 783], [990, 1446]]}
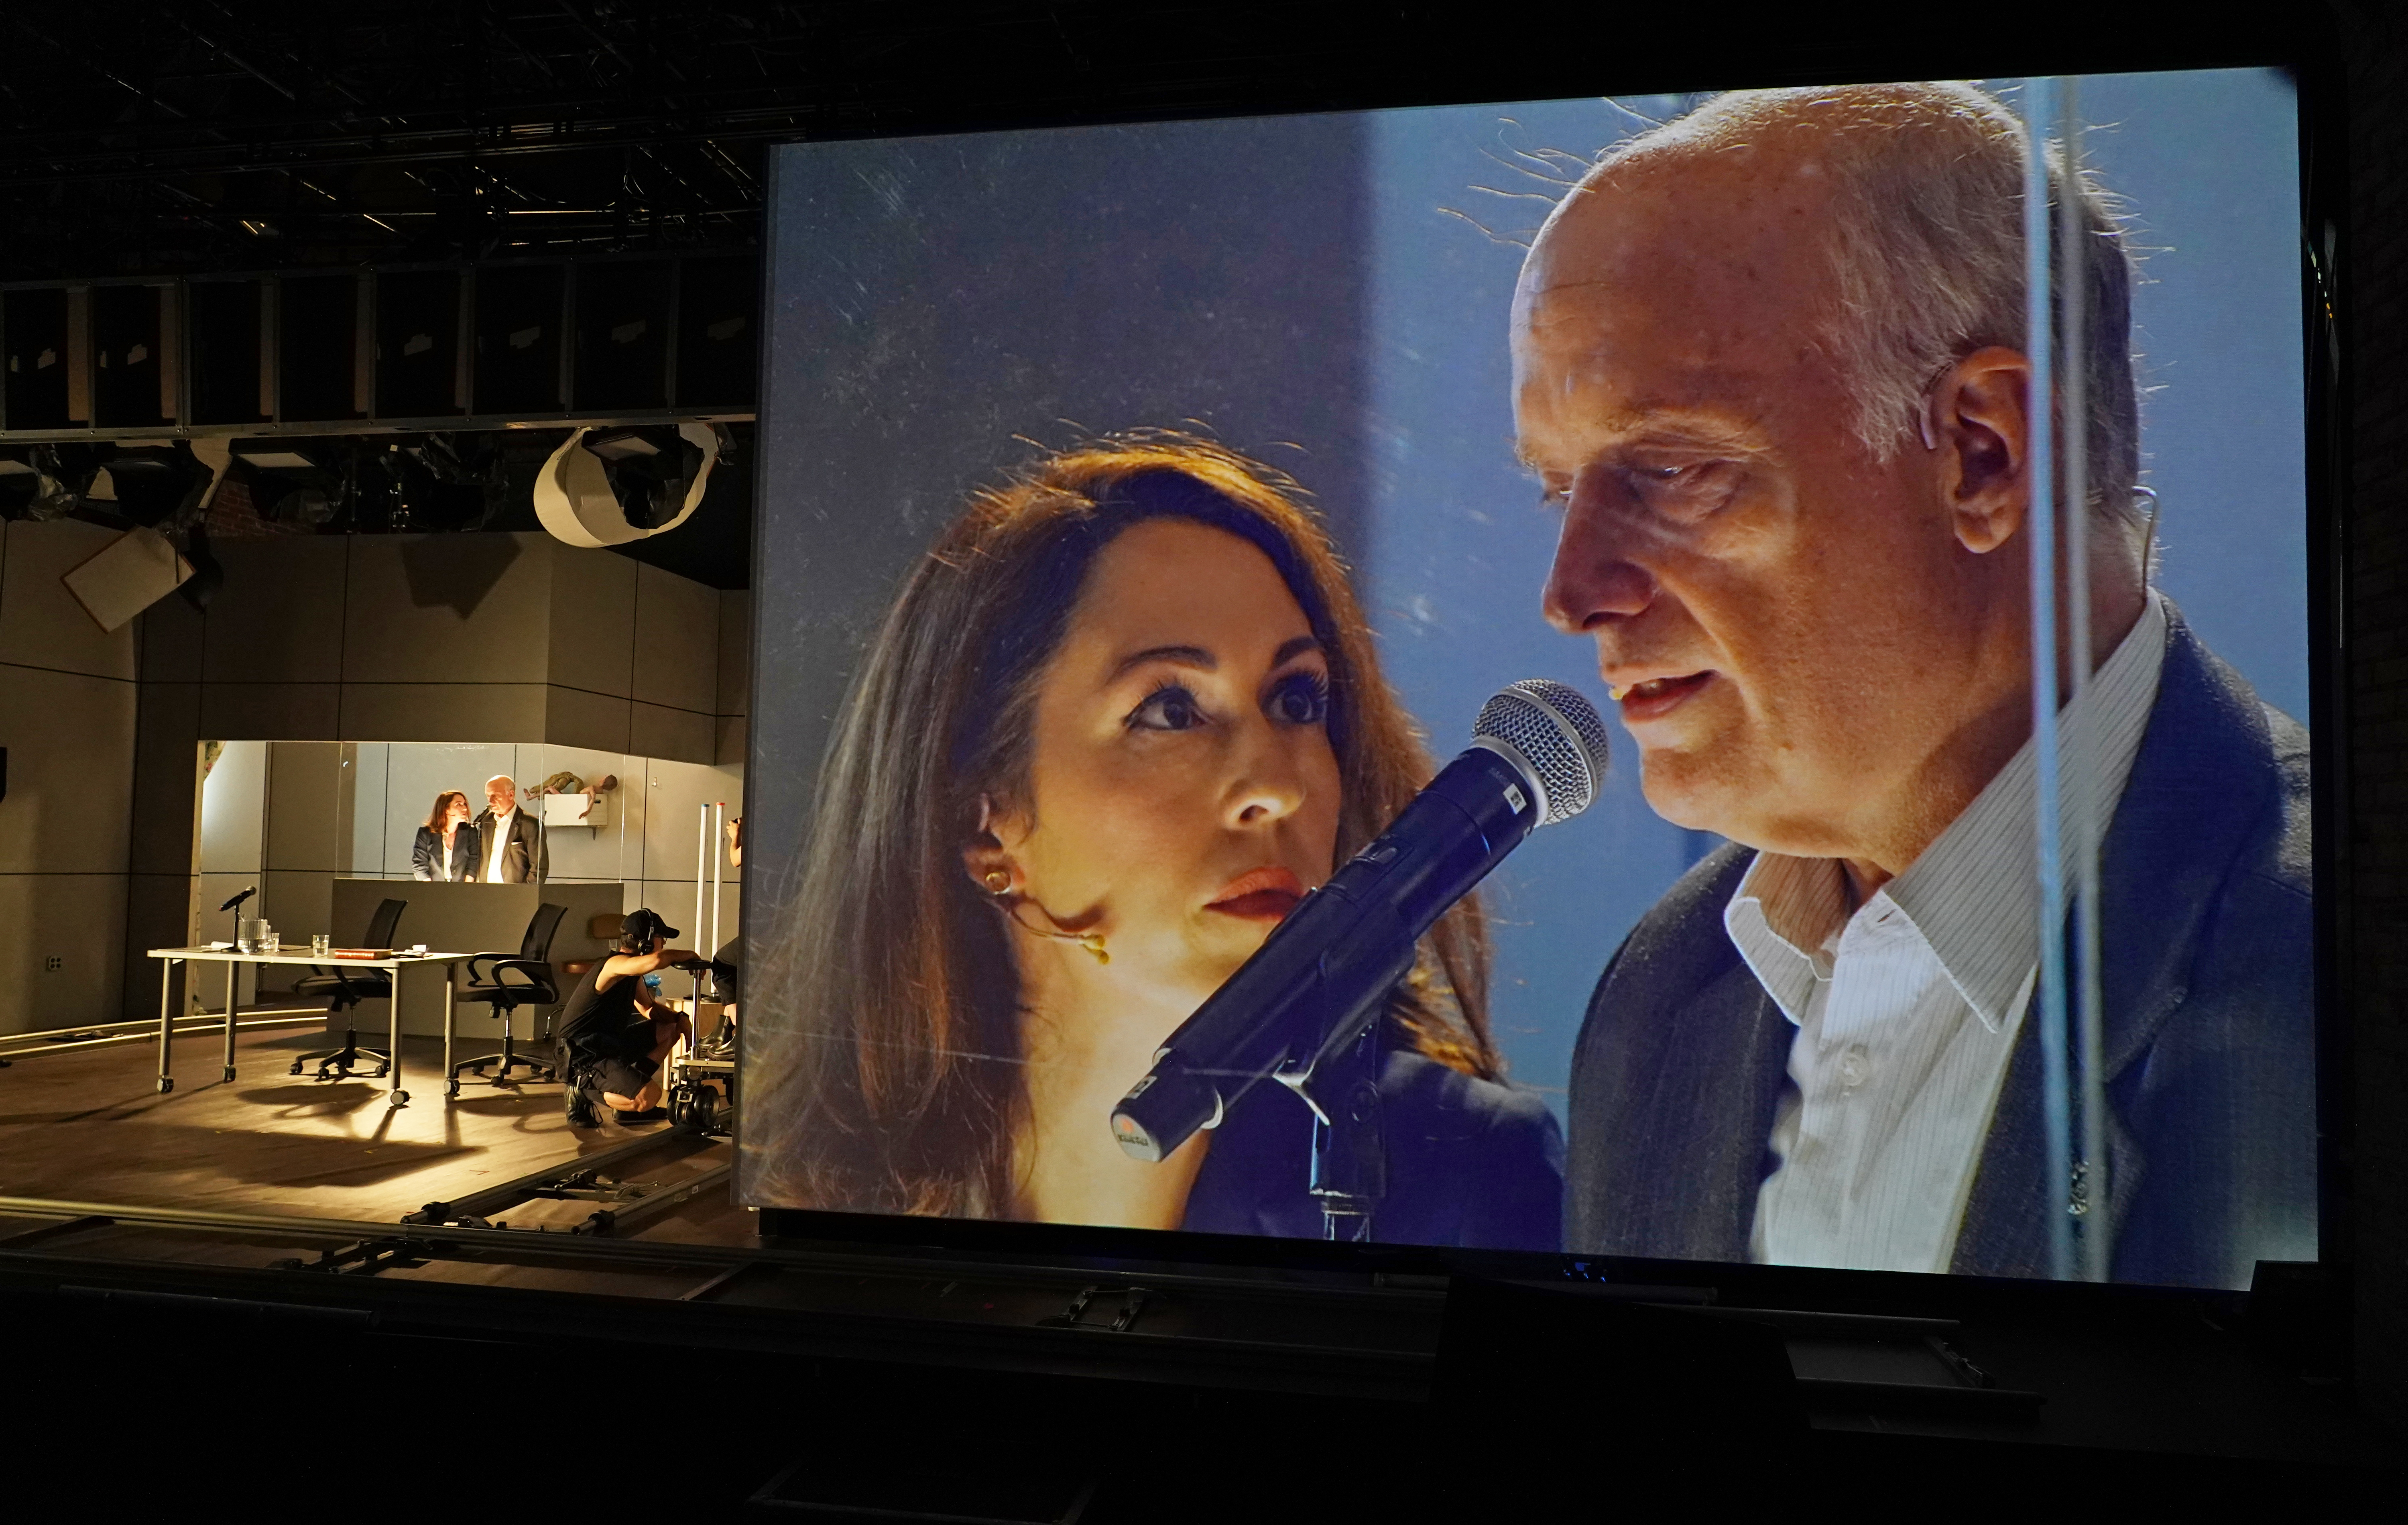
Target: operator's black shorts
{"points": [[617, 1063], [613, 1075]]}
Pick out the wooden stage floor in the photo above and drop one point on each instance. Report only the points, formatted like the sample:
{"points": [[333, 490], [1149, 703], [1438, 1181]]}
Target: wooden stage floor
{"points": [[90, 1126]]}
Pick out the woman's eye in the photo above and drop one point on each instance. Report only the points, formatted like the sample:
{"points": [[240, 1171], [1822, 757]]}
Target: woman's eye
{"points": [[1171, 709], [1302, 700]]}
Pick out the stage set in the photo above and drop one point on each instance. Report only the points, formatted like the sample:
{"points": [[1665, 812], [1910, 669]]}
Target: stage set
{"points": [[1076, 769]]}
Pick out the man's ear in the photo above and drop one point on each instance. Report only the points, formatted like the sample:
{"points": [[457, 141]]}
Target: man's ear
{"points": [[1979, 424]]}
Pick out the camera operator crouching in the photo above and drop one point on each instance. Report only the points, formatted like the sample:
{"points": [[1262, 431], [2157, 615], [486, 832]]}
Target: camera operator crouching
{"points": [[615, 1030]]}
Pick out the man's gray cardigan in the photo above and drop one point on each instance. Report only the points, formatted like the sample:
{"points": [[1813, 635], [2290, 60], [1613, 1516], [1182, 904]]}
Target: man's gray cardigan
{"points": [[2210, 1001]]}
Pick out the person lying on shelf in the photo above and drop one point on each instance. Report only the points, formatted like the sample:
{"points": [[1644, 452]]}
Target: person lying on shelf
{"points": [[617, 1032]]}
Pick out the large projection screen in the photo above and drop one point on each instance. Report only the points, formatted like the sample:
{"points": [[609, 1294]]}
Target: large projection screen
{"points": [[1714, 408]]}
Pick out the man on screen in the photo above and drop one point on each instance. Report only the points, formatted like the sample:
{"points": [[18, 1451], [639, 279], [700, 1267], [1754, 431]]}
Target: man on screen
{"points": [[1768, 359]]}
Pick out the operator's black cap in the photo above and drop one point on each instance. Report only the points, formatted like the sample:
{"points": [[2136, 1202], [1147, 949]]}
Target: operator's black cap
{"points": [[640, 927]]}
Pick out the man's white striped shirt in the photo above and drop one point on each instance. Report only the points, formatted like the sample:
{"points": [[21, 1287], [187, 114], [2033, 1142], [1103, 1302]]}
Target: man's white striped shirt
{"points": [[1907, 1009]]}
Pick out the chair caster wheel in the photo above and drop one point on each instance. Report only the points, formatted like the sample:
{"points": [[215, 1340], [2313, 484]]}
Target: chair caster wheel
{"points": [[452, 1089], [400, 1098], [165, 1086], [295, 1070], [383, 1070]]}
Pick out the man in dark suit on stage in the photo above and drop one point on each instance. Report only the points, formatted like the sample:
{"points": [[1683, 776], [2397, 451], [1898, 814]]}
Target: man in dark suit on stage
{"points": [[510, 844], [1770, 360]]}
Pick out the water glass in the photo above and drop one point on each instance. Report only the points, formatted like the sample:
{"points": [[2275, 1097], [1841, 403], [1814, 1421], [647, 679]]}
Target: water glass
{"points": [[271, 942], [319, 945], [247, 934]]}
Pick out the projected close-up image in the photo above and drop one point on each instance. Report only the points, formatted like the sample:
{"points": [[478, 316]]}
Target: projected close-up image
{"points": [[1152, 508]]}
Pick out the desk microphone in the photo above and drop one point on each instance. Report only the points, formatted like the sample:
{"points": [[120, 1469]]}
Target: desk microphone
{"points": [[1536, 757], [240, 898]]}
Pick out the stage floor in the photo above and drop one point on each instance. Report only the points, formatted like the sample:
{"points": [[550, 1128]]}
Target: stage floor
{"points": [[91, 1127]]}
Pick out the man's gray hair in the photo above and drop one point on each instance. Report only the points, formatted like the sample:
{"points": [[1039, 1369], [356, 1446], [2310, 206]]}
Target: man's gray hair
{"points": [[1928, 247]]}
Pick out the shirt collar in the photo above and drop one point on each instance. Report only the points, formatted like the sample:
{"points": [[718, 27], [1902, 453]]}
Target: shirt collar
{"points": [[1973, 895]]}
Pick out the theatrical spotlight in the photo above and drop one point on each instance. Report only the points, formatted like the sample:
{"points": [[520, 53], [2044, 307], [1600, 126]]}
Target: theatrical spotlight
{"points": [[610, 487], [648, 468], [151, 485], [45, 481], [294, 481], [446, 482]]}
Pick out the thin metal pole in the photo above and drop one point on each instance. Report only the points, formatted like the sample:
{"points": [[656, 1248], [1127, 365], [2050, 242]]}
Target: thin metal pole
{"points": [[147, 1036], [2089, 1204], [141, 1027], [718, 835], [2040, 99], [701, 853]]}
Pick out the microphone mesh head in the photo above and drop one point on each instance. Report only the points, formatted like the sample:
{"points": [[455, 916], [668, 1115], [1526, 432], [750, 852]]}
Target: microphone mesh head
{"points": [[1558, 732]]}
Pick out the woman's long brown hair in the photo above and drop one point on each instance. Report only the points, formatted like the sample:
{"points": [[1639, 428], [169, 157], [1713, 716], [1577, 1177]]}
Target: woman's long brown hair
{"points": [[882, 1026], [443, 808]]}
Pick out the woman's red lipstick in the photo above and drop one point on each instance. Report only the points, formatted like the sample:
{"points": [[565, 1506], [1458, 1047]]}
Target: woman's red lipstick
{"points": [[1260, 895]]}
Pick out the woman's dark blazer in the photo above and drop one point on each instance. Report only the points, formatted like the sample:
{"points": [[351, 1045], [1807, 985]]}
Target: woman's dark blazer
{"points": [[426, 853], [1470, 1162]]}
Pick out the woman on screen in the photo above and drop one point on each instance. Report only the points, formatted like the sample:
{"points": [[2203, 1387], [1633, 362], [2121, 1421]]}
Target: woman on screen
{"points": [[1123, 715]]}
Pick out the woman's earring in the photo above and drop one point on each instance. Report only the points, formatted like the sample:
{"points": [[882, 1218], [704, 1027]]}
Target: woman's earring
{"points": [[998, 883]]}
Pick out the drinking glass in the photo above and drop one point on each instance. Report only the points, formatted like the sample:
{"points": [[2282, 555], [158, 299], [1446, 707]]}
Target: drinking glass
{"points": [[319, 945], [247, 933], [270, 943]]}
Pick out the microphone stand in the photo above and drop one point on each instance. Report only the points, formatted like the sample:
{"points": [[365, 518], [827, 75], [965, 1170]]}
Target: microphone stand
{"points": [[1349, 1170]]}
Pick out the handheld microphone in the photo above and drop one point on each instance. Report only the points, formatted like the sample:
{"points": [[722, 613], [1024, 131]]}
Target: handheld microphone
{"points": [[1536, 757], [240, 898]]}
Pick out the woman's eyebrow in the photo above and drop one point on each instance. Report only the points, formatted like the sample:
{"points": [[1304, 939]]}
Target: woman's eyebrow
{"points": [[1291, 649], [1185, 656]]}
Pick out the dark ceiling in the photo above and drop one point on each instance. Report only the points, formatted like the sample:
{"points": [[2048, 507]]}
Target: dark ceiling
{"points": [[139, 138], [201, 135]]}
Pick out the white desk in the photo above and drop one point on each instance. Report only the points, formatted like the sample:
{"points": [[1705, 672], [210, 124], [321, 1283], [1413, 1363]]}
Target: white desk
{"points": [[170, 957]]}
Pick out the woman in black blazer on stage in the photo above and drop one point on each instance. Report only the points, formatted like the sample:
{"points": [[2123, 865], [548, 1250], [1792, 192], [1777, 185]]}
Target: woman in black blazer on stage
{"points": [[446, 848]]}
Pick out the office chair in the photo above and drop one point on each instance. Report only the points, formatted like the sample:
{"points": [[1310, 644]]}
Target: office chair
{"points": [[534, 985], [343, 990]]}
